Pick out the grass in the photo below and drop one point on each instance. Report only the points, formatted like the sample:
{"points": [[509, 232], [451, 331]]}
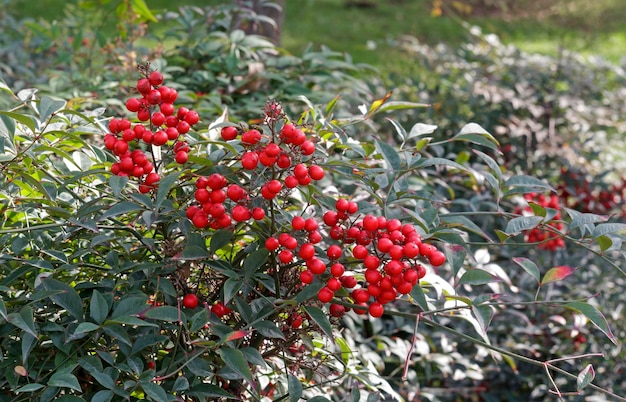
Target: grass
{"points": [[365, 33]]}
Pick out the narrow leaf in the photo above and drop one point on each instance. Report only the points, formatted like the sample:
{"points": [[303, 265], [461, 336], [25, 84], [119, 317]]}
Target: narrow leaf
{"points": [[64, 380], [585, 377], [321, 319], [295, 388], [522, 223], [48, 106], [477, 277], [98, 307], [606, 228], [421, 129], [389, 154], [165, 313], [154, 391], [121, 208], [235, 360], [557, 274], [68, 298], [528, 266], [595, 316]]}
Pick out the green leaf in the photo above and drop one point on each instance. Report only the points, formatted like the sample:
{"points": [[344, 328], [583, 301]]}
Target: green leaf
{"points": [[84, 327], [557, 274], [28, 121], [181, 384], [117, 333], [585, 219], [24, 320], [389, 154], [64, 380], [420, 129], [141, 8], [475, 134], [526, 182], [154, 391], [98, 307], [254, 261], [209, 391], [606, 228], [438, 162], [231, 287], [103, 396], [321, 319], [123, 207], [117, 184], [30, 388], [528, 266], [3, 310], [595, 316], [268, 329], [165, 185], [68, 299], [219, 239], [522, 223], [129, 320], [483, 315], [165, 313], [199, 320], [398, 105], [605, 242], [295, 388], [57, 255], [417, 293], [477, 277], [585, 377], [48, 106], [235, 360]]}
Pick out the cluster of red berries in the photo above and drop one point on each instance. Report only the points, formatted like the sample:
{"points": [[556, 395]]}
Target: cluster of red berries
{"points": [[384, 254], [577, 191], [274, 164], [547, 239], [160, 123]]}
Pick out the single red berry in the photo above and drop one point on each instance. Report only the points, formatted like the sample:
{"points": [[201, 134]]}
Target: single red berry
{"points": [[143, 86], [376, 309], [274, 186], [229, 133], [181, 112], [272, 244], [285, 256], [348, 282], [300, 171], [334, 284], [155, 78], [291, 182], [166, 108], [283, 161], [241, 213], [157, 119], [437, 258], [342, 205], [258, 213], [359, 252], [337, 270], [249, 160], [181, 157], [133, 105], [192, 117], [325, 295], [310, 225], [160, 138], [307, 251], [307, 148], [272, 150], [330, 218], [337, 310], [334, 252], [251, 137], [384, 245], [306, 277], [360, 295], [190, 301], [297, 223], [235, 192], [183, 127], [316, 266]]}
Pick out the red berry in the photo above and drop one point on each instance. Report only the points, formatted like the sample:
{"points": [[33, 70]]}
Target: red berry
{"points": [[310, 225], [274, 186], [192, 117], [181, 157], [337, 270], [300, 171], [360, 295], [157, 119], [249, 160], [272, 244], [133, 105], [272, 150], [337, 310], [334, 252], [229, 133], [307, 148], [183, 127], [384, 245], [342, 205], [200, 220], [306, 277], [330, 218], [291, 182], [437, 258], [325, 294], [251, 137], [235, 192], [316, 266], [190, 301], [241, 213], [160, 138], [334, 284], [376, 309], [285, 256], [258, 213], [143, 86], [166, 108], [182, 111], [307, 251], [283, 161], [359, 252], [348, 281], [155, 78], [297, 223]]}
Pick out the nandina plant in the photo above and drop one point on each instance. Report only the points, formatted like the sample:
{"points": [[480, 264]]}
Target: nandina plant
{"points": [[198, 259]]}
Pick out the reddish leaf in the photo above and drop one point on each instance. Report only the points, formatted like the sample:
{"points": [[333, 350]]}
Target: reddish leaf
{"points": [[557, 274]]}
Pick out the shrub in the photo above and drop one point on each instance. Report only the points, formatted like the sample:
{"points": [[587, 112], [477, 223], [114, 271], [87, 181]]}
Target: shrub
{"points": [[229, 273]]}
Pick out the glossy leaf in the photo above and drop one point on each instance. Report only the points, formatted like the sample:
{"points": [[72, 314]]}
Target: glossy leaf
{"points": [[68, 298], [121, 208], [606, 228], [154, 391], [528, 266], [321, 319], [64, 380], [295, 388], [595, 316], [48, 106], [165, 313], [522, 223], [477, 277], [557, 274], [585, 377], [235, 360]]}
